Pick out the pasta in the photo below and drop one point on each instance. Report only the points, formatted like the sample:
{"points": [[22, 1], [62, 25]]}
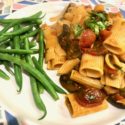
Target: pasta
{"points": [[88, 49], [76, 14], [115, 43], [55, 55], [115, 61], [78, 110], [109, 61], [68, 66], [91, 66], [117, 82], [84, 80]]}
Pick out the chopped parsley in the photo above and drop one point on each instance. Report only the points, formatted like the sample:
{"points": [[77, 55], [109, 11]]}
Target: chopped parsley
{"points": [[97, 21]]}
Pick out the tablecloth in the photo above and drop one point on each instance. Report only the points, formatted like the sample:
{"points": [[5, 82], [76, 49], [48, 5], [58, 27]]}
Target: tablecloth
{"points": [[10, 6]]}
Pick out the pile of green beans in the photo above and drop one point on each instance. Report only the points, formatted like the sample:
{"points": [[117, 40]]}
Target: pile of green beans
{"points": [[18, 44]]}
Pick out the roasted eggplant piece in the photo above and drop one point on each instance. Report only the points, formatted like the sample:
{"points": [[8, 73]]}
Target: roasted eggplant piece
{"points": [[73, 50], [64, 37], [69, 84], [71, 46], [116, 100]]}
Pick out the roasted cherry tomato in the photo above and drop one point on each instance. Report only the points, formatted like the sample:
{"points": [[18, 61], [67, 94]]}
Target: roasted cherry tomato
{"points": [[87, 39], [105, 34], [89, 97]]}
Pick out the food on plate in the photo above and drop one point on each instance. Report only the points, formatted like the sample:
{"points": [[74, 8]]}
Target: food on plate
{"points": [[93, 45], [19, 40], [85, 46], [78, 110]]}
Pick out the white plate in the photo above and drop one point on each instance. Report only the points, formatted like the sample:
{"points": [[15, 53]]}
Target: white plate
{"points": [[22, 105]]}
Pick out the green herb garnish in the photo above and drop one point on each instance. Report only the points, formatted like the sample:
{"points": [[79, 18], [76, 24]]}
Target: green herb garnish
{"points": [[97, 21], [77, 29]]}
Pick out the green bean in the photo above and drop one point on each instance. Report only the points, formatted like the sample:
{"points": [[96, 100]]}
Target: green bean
{"points": [[57, 88], [4, 46], [18, 21], [17, 68], [41, 48], [18, 31], [4, 75], [7, 67], [40, 88], [35, 16], [39, 103], [6, 42], [41, 52], [1, 62], [19, 51], [32, 44], [30, 34], [4, 38], [33, 71]]}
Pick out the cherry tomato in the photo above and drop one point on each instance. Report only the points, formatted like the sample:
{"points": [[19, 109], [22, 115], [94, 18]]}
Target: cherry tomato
{"points": [[89, 97], [87, 39], [105, 34]]}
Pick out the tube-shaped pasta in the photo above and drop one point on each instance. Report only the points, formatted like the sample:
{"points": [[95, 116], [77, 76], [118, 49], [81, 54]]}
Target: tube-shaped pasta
{"points": [[112, 61], [102, 80], [79, 13], [55, 55], [92, 66], [84, 80], [59, 51], [50, 38], [57, 62], [115, 60], [50, 54], [123, 83], [117, 82], [108, 60], [68, 66], [77, 110], [115, 43], [118, 63], [49, 65]]}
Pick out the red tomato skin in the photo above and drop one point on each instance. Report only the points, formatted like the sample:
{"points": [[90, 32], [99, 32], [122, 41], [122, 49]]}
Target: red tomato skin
{"points": [[87, 39], [90, 97], [105, 34]]}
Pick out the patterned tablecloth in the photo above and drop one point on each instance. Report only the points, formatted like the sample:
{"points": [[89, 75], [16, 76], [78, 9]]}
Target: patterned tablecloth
{"points": [[9, 6]]}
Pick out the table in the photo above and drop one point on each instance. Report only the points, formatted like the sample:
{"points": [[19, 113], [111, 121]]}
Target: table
{"points": [[9, 6]]}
